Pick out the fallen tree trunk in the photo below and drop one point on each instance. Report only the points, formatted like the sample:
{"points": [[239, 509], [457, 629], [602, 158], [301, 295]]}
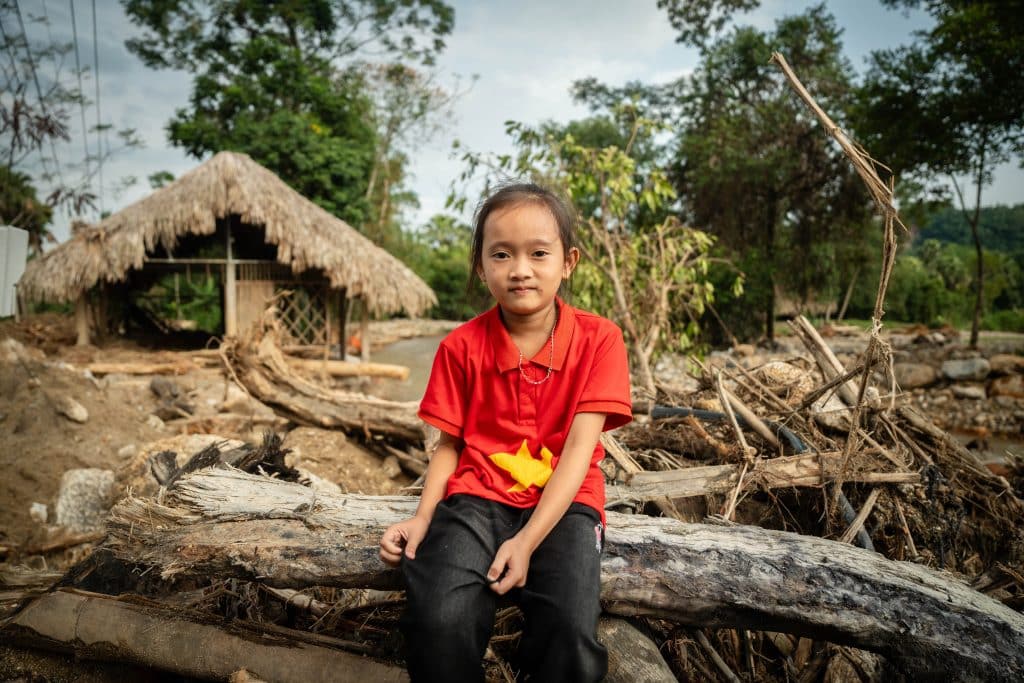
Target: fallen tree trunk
{"points": [[224, 523], [100, 627], [341, 368]]}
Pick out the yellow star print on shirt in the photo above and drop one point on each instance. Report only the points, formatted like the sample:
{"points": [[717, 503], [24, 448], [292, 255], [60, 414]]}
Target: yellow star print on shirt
{"points": [[524, 468]]}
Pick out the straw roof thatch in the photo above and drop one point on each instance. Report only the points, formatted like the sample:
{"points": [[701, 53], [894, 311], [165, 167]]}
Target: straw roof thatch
{"points": [[306, 237]]}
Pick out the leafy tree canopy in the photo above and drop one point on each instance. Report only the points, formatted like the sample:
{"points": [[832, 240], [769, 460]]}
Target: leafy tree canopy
{"points": [[755, 169], [280, 81], [1001, 228]]}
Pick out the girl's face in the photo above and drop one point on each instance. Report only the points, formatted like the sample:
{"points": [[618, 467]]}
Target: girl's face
{"points": [[523, 261]]}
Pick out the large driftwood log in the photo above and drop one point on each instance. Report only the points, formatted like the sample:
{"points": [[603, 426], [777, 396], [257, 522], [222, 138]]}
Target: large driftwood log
{"points": [[221, 522], [92, 626]]}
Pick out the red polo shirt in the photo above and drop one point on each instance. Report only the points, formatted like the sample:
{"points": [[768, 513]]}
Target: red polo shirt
{"points": [[514, 431]]}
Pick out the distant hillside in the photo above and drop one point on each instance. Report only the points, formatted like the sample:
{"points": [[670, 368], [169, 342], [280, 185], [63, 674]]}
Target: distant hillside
{"points": [[1001, 228]]}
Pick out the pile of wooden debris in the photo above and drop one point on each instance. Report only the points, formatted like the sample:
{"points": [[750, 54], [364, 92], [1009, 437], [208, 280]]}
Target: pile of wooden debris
{"points": [[731, 550]]}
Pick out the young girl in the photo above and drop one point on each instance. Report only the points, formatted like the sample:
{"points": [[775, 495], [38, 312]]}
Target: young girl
{"points": [[513, 501]]}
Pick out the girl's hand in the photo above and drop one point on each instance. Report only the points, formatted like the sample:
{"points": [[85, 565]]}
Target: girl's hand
{"points": [[403, 536], [510, 566]]}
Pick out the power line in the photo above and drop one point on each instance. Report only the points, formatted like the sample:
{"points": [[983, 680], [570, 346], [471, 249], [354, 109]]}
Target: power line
{"points": [[39, 91], [99, 118], [81, 91], [15, 79]]}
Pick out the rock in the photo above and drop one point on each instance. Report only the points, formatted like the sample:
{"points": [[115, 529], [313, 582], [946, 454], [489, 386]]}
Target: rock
{"points": [[241, 403], [966, 369], [973, 392], [126, 452], [1006, 364], [164, 388], [71, 409], [744, 350], [317, 483], [788, 381], [83, 500], [38, 512], [900, 341], [1009, 385], [914, 375], [391, 467]]}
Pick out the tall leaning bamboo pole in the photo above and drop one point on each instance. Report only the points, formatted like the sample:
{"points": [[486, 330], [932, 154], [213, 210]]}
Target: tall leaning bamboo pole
{"points": [[882, 195]]}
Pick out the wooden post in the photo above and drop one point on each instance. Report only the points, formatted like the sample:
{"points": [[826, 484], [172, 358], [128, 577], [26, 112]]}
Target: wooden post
{"points": [[364, 332], [230, 288], [82, 319], [342, 320]]}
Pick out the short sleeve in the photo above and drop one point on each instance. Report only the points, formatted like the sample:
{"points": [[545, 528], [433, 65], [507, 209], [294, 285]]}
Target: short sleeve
{"points": [[607, 388], [443, 404]]}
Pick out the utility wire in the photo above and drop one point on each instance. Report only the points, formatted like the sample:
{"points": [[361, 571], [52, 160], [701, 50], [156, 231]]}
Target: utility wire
{"points": [[81, 92], [39, 93], [16, 79], [99, 124]]}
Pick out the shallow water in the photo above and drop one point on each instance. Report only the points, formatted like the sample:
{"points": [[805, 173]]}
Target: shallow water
{"points": [[417, 354]]}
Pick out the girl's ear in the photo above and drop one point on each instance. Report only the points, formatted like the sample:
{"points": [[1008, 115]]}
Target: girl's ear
{"points": [[571, 260]]}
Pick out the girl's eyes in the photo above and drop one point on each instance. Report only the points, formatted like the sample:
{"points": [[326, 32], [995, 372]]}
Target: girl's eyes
{"points": [[501, 255]]}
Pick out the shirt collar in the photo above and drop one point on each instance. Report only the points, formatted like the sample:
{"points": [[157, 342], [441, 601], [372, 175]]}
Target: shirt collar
{"points": [[507, 355]]}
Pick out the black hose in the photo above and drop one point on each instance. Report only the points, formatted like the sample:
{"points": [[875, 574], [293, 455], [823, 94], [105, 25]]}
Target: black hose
{"points": [[849, 514]]}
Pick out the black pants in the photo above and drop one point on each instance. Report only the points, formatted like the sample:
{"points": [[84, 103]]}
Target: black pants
{"points": [[451, 607]]}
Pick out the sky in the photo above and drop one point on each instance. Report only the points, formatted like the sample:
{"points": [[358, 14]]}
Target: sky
{"points": [[524, 56]]}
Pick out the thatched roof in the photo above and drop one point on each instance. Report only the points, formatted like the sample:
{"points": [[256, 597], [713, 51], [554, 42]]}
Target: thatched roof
{"points": [[306, 237]]}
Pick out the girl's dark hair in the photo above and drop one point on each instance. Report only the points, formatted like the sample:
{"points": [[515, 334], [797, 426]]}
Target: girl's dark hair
{"points": [[514, 194]]}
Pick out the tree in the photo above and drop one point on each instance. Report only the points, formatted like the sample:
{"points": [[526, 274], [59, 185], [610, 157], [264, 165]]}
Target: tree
{"points": [[754, 169], [440, 254], [36, 98], [960, 88], [20, 207], [409, 107], [280, 81]]}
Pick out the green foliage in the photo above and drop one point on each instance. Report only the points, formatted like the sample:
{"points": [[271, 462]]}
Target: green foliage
{"points": [[20, 207], [279, 82], [960, 88], [440, 254], [757, 171], [1005, 321], [933, 284], [1001, 228], [180, 298]]}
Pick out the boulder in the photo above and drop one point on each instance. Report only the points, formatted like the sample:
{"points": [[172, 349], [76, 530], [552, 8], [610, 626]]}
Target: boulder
{"points": [[1010, 385], [914, 375], [966, 369], [1007, 364], [71, 409], [241, 403], [84, 499], [969, 391]]}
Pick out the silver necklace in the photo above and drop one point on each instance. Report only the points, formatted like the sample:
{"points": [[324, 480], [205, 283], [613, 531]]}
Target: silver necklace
{"points": [[551, 359]]}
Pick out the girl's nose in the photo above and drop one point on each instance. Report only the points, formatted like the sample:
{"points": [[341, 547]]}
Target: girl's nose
{"points": [[520, 267]]}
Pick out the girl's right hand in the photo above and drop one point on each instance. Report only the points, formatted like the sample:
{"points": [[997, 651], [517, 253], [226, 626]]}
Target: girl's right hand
{"points": [[403, 536]]}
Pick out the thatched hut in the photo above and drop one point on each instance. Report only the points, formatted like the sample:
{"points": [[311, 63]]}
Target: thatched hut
{"points": [[237, 220]]}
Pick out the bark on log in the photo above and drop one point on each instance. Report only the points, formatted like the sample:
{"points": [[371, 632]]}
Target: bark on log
{"points": [[341, 368], [782, 472], [177, 367], [265, 374], [221, 522], [93, 626]]}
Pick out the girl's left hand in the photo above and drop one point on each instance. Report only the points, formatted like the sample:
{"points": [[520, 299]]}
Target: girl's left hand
{"points": [[510, 566]]}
